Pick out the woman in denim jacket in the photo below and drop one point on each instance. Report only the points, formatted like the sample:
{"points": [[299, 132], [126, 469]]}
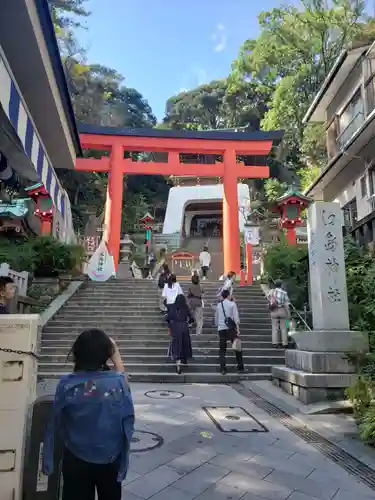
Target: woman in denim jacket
{"points": [[93, 416]]}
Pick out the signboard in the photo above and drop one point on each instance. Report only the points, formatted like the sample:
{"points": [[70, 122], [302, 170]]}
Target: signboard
{"points": [[101, 265], [251, 235]]}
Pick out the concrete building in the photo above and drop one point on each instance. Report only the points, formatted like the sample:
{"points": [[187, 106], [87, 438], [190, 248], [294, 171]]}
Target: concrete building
{"points": [[38, 133], [197, 209], [346, 105]]}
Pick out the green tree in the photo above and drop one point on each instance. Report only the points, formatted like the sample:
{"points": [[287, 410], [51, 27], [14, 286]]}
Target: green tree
{"points": [[274, 189], [66, 13], [291, 57], [100, 97], [217, 105]]}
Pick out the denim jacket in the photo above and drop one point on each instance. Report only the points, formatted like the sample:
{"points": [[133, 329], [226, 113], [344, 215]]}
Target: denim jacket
{"points": [[93, 415]]}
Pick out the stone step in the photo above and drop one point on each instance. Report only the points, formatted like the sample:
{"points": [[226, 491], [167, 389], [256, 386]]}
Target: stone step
{"points": [[121, 313], [131, 292], [143, 304], [187, 378], [146, 322], [62, 349], [138, 331], [159, 345], [169, 367], [152, 337], [198, 358], [153, 287], [134, 291], [152, 284]]}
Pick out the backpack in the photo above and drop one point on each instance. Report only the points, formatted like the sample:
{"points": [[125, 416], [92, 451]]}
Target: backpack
{"points": [[272, 302], [230, 323], [162, 281], [194, 300]]}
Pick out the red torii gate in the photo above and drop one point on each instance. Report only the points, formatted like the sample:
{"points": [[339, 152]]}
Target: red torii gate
{"points": [[228, 144]]}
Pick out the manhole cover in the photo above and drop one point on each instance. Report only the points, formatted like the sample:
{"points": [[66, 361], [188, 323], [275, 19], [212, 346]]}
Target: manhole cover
{"points": [[164, 394], [145, 441], [239, 419]]}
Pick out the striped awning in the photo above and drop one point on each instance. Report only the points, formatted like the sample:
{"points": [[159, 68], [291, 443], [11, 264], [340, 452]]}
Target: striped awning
{"points": [[19, 116]]}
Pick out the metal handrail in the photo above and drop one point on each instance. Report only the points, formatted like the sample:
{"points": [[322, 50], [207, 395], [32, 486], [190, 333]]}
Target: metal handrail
{"points": [[352, 121], [294, 309]]}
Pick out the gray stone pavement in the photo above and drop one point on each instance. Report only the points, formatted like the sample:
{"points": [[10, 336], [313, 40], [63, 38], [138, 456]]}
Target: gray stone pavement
{"points": [[196, 461]]}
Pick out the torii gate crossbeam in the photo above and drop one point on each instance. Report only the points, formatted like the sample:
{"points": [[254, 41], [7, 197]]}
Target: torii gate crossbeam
{"points": [[228, 144]]}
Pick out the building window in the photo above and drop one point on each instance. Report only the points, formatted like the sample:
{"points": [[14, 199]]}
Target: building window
{"points": [[351, 119], [350, 213], [371, 181], [363, 187]]}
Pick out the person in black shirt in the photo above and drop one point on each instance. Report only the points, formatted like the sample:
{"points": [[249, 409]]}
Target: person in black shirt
{"points": [[7, 290]]}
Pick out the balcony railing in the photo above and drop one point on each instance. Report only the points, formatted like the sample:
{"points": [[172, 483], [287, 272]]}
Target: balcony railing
{"points": [[355, 123]]}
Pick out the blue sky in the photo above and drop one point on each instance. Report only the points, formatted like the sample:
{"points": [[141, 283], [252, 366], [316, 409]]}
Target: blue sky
{"points": [[164, 46]]}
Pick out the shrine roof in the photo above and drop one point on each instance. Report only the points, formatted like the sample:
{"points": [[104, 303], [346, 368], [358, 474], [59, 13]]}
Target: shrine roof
{"points": [[275, 136], [292, 192]]}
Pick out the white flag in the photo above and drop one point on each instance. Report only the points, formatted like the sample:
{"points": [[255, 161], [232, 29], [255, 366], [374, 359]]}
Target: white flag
{"points": [[101, 265]]}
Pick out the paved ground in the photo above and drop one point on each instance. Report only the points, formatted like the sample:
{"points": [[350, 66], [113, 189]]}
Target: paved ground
{"points": [[197, 461]]}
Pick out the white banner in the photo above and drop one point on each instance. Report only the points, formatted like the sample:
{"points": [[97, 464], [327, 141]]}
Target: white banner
{"points": [[252, 235], [101, 266]]}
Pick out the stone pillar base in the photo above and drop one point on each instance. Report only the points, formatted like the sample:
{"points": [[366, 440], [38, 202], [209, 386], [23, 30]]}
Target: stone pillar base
{"points": [[123, 271], [18, 375], [319, 369]]}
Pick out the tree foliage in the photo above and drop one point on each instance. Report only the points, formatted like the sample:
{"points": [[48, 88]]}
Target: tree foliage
{"points": [[292, 56], [217, 105], [99, 96], [275, 78], [66, 13]]}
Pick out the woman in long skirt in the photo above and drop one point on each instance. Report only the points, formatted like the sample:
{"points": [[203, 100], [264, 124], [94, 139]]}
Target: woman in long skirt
{"points": [[179, 317]]}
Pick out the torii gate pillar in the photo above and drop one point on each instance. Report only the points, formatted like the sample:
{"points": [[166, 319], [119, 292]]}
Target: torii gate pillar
{"points": [[231, 229], [113, 206]]}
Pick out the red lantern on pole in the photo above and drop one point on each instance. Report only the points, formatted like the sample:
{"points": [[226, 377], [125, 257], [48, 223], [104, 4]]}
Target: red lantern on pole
{"points": [[290, 207], [148, 221], [44, 207]]}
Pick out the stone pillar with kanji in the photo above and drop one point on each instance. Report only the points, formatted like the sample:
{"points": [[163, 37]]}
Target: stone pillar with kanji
{"points": [[319, 369]]}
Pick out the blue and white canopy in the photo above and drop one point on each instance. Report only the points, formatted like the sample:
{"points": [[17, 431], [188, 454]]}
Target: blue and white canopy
{"points": [[21, 148]]}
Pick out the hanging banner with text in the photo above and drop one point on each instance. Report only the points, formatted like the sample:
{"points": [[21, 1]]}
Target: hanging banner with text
{"points": [[251, 235], [101, 266]]}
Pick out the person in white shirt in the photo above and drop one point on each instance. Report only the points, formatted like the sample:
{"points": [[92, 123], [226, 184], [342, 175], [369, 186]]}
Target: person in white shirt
{"points": [[205, 261], [227, 285], [171, 290], [227, 322]]}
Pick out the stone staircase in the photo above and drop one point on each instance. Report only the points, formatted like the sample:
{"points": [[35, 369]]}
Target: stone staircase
{"points": [[127, 310], [195, 245]]}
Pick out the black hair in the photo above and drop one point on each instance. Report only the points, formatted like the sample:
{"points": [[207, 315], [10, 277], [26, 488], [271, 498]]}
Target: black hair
{"points": [[165, 268], [171, 280], [225, 294], [195, 279], [231, 274], [181, 304], [205, 248], [91, 351], [4, 281], [278, 284]]}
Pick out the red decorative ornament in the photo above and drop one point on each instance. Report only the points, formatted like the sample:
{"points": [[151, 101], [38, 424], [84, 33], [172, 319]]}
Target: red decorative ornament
{"points": [[44, 206], [290, 207], [147, 221]]}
